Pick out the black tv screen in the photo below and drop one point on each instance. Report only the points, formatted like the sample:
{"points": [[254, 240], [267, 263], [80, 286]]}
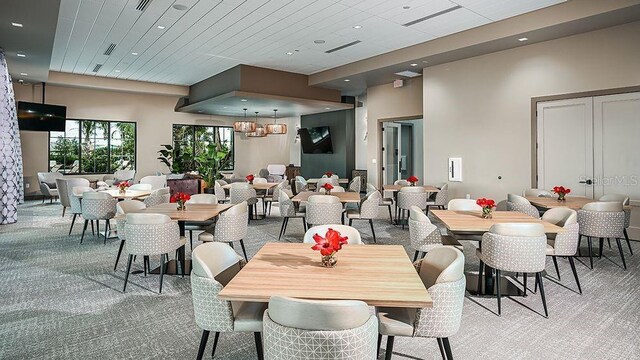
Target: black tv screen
{"points": [[316, 140], [41, 117]]}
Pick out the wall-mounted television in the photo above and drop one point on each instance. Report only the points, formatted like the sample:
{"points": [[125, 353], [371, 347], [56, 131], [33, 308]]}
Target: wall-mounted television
{"points": [[316, 140], [41, 117]]}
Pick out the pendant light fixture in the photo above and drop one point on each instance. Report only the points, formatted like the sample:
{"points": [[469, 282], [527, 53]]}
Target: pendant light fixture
{"points": [[259, 131], [245, 126], [276, 128]]}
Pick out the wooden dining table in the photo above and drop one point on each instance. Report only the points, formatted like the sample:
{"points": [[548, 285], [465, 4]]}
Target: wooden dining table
{"points": [[571, 202], [471, 223], [315, 181], [395, 188], [259, 186], [345, 197], [128, 194], [380, 275]]}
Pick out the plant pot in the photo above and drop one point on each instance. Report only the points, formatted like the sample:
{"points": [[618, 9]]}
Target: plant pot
{"points": [[329, 261], [209, 190]]}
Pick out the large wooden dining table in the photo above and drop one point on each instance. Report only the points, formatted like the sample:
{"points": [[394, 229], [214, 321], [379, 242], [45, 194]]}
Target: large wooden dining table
{"points": [[395, 188], [380, 275], [572, 202], [315, 181], [345, 197]]}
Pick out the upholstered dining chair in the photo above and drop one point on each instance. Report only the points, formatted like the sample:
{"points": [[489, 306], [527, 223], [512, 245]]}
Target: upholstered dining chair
{"points": [[463, 205], [141, 187], [214, 265], [75, 203], [323, 209], [98, 206], [158, 196], [296, 329], [355, 184], [537, 193], [48, 184], [624, 199], [386, 202], [156, 181], [368, 210], [401, 182], [243, 191], [152, 234], [122, 209], [514, 247], [326, 180], [521, 204], [274, 196], [442, 273], [65, 190], [221, 182], [442, 197], [218, 190], [602, 220], [232, 225], [119, 176], [409, 196], [425, 236], [301, 184], [192, 226], [564, 244], [350, 232], [288, 210]]}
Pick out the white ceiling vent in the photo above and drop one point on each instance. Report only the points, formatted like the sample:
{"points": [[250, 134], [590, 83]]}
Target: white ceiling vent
{"points": [[343, 46], [97, 68], [143, 5], [110, 49], [408, 73], [454, 8]]}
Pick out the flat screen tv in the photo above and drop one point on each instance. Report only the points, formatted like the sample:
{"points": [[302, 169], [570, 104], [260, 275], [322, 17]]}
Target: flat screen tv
{"points": [[41, 117], [316, 140]]}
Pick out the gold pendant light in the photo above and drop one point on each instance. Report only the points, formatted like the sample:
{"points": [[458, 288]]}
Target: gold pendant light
{"points": [[259, 130], [276, 128], [244, 126]]}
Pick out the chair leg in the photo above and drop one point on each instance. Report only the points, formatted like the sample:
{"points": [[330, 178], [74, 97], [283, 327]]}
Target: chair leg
{"points": [[575, 273], [441, 347], [162, 265], [390, 216], [86, 222], [73, 221], [304, 224], [415, 257], [243, 250], [498, 292], [215, 344], [145, 263], [258, 339], [126, 276], [626, 236], [544, 300], [106, 231], [480, 269], [579, 242], [203, 344], [621, 253], [183, 262], [115, 267], [389, 352], [601, 246], [373, 231], [93, 232], [590, 251], [64, 209], [379, 343], [524, 282], [555, 263], [350, 222], [284, 220], [447, 348]]}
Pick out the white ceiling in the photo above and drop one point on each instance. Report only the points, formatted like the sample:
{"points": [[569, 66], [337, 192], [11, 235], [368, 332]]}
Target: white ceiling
{"points": [[212, 35]]}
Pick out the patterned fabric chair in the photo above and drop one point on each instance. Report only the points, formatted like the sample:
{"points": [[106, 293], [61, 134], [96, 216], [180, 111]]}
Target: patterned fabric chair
{"points": [[220, 193], [199, 225], [602, 220], [141, 187], [515, 247], [221, 182], [288, 210], [76, 203], [323, 209], [269, 199], [122, 209], [65, 190], [424, 235], [565, 243], [520, 204], [355, 184], [98, 206], [388, 202], [296, 329], [336, 189], [48, 184], [214, 265], [409, 196], [152, 234], [442, 273], [368, 210], [119, 176], [157, 197], [231, 226], [243, 191], [463, 205], [624, 199], [401, 182], [537, 192], [156, 181], [326, 180], [352, 234], [301, 184], [442, 197]]}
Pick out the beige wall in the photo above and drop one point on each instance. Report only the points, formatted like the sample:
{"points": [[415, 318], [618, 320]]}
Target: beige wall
{"points": [[385, 101], [154, 115], [480, 108]]}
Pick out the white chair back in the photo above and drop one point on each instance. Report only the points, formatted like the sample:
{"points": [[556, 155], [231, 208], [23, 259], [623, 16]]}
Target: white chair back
{"points": [[157, 182], [203, 199], [463, 205], [127, 206], [141, 187], [351, 233]]}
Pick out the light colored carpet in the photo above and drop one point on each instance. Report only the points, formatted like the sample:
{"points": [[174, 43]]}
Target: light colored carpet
{"points": [[60, 299]]}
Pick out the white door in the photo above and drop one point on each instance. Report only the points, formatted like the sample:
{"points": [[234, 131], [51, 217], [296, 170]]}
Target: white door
{"points": [[565, 145], [391, 145]]}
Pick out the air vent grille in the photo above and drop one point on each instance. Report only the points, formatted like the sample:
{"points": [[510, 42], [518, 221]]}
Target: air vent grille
{"points": [[343, 46], [143, 5], [454, 8], [110, 49], [97, 67]]}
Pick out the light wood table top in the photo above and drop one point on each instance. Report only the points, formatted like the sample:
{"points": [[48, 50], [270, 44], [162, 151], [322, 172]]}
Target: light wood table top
{"points": [[472, 221], [129, 194], [193, 212], [340, 181], [428, 188], [572, 202], [345, 197], [262, 186], [380, 275]]}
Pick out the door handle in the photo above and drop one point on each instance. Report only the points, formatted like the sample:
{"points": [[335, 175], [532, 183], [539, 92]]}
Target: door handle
{"points": [[588, 182]]}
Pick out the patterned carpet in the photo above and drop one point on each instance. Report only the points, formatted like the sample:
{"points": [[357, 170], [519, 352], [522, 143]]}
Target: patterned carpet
{"points": [[60, 299]]}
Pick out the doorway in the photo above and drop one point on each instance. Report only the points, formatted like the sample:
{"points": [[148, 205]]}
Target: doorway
{"points": [[402, 150]]}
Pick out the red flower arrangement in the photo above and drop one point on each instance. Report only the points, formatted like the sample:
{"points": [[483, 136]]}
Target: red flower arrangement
{"points": [[329, 245], [327, 188], [328, 174], [487, 206], [412, 180], [123, 186], [250, 178], [180, 199], [561, 191]]}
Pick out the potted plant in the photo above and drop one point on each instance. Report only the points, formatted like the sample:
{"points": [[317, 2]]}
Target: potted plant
{"points": [[561, 191], [487, 207], [214, 158], [177, 161], [328, 246], [412, 180]]}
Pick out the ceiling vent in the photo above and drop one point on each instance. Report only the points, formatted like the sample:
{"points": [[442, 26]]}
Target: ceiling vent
{"points": [[454, 8], [110, 49], [408, 73], [97, 67], [343, 46], [143, 5]]}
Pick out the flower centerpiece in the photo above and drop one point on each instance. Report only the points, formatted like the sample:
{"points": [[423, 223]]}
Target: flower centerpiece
{"points": [[328, 246], [250, 178], [561, 191], [412, 180], [180, 199], [487, 207], [327, 188], [328, 174], [123, 186]]}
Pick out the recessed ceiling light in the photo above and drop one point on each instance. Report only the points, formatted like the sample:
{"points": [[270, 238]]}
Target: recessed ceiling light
{"points": [[24, 74], [406, 7], [16, 24], [243, 100], [117, 71], [21, 55], [161, 27], [289, 53], [358, 27], [134, 53], [414, 64], [347, 80], [180, 7], [523, 39], [318, 41]]}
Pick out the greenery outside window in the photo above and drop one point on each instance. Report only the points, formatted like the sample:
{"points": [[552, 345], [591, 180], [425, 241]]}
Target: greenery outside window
{"points": [[191, 141]]}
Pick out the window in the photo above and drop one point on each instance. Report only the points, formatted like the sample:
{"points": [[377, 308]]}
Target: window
{"points": [[93, 147], [191, 141]]}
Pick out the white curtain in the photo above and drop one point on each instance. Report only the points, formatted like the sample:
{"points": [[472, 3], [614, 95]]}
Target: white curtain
{"points": [[11, 181]]}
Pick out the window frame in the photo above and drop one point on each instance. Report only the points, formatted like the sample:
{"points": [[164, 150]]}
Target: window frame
{"points": [[193, 134]]}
